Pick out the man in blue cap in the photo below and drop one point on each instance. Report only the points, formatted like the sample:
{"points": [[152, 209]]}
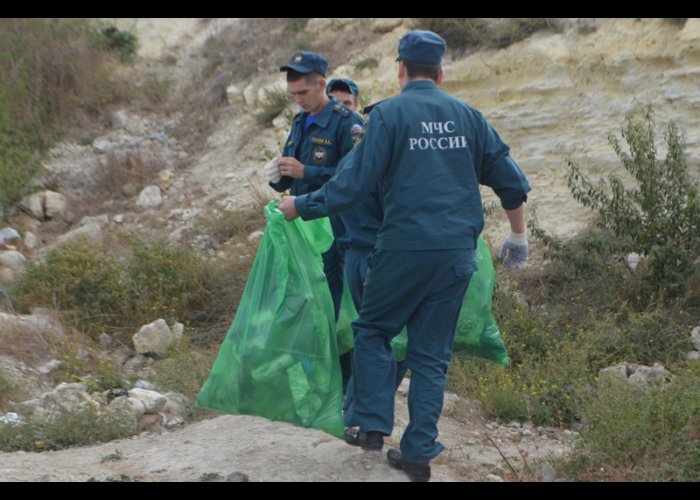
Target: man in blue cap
{"points": [[430, 151], [345, 91], [322, 133]]}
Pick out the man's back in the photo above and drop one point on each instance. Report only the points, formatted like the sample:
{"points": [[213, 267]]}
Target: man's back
{"points": [[434, 150]]}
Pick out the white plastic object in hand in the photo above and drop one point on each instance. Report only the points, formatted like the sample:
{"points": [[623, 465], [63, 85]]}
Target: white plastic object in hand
{"points": [[272, 170]]}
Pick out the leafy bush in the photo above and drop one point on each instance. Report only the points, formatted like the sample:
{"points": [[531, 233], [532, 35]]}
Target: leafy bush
{"points": [[659, 216], [124, 43], [169, 281], [586, 309], [96, 292], [79, 280]]}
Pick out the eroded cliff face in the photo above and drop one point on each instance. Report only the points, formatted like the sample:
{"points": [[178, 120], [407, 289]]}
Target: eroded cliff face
{"points": [[553, 97]]}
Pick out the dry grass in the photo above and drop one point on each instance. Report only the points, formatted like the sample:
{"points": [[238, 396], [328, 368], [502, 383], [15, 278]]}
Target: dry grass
{"points": [[52, 79], [466, 35], [137, 167]]}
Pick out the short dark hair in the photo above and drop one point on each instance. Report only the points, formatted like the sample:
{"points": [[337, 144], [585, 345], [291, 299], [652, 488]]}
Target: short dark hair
{"points": [[294, 76], [418, 70]]}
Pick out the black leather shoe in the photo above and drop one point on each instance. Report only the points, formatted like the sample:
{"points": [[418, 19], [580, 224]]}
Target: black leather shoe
{"points": [[372, 440], [414, 471]]}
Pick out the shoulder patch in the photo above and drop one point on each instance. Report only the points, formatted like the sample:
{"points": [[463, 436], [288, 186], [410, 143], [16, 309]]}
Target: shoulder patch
{"points": [[339, 108], [357, 133]]}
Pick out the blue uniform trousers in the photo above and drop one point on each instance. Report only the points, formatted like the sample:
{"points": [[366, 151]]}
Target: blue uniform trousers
{"points": [[356, 261], [423, 290]]}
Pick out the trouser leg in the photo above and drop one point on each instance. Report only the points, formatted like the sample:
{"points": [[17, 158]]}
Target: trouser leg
{"points": [[425, 291]]}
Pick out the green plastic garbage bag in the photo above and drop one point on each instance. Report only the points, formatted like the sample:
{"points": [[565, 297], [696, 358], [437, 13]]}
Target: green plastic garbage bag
{"points": [[346, 315], [279, 359], [477, 333]]}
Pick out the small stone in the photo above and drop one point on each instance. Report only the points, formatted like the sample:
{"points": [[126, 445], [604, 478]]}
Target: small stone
{"points": [[237, 477]]}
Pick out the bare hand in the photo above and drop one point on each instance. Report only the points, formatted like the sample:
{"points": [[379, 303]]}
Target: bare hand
{"points": [[291, 167], [287, 207]]}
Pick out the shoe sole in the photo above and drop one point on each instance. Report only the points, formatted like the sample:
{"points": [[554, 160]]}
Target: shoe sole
{"points": [[354, 442]]}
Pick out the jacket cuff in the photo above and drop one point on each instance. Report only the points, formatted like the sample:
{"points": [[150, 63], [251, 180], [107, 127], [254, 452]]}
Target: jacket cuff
{"points": [[513, 203]]}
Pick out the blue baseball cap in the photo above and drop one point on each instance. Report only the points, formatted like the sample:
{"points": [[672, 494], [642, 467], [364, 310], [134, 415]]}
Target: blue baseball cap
{"points": [[307, 62], [344, 84], [424, 47]]}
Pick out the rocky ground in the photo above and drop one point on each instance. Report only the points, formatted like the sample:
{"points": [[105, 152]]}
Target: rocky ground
{"points": [[246, 448]]}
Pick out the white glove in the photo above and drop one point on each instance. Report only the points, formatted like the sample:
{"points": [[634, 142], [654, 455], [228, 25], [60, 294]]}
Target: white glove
{"points": [[272, 170], [514, 251]]}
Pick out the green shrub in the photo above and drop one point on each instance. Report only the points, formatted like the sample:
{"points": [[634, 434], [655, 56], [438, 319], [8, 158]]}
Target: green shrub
{"points": [[82, 282], [122, 43], [585, 310], [169, 281], [96, 292], [659, 216], [556, 354]]}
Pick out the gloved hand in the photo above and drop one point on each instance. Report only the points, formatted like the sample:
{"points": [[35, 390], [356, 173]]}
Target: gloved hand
{"points": [[514, 251], [272, 171]]}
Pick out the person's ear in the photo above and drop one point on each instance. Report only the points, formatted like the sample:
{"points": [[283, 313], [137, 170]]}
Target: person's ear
{"points": [[439, 76], [402, 69]]}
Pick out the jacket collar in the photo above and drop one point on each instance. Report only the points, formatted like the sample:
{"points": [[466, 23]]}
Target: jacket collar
{"points": [[419, 85]]}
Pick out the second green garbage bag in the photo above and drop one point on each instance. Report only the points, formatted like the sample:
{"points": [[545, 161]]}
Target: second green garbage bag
{"points": [[478, 335], [279, 359]]}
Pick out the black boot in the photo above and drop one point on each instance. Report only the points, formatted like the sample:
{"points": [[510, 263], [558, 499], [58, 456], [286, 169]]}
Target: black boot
{"points": [[372, 440], [415, 471]]}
